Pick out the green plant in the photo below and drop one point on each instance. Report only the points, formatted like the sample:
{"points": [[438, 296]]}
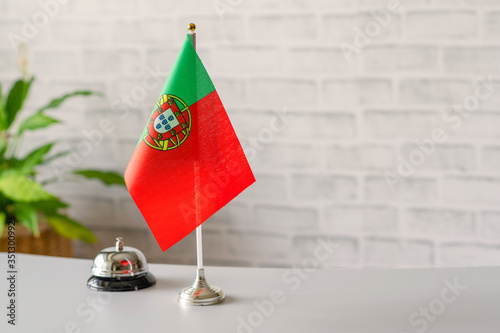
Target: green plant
{"points": [[22, 197]]}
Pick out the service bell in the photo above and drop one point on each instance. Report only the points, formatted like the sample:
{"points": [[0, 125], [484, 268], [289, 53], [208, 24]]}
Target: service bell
{"points": [[120, 268]]}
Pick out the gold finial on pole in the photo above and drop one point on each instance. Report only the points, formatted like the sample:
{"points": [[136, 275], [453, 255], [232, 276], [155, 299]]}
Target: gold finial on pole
{"points": [[191, 27]]}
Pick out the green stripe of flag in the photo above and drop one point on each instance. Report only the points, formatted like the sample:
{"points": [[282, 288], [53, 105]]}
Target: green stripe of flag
{"points": [[188, 78]]}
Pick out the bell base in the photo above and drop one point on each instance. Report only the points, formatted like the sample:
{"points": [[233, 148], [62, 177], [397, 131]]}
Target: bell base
{"points": [[200, 292], [98, 283]]}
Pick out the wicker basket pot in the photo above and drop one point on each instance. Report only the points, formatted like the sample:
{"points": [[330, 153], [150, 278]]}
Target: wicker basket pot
{"points": [[49, 242]]}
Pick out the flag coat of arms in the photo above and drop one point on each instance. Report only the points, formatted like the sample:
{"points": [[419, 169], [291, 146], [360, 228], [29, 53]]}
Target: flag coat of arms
{"points": [[188, 163]]}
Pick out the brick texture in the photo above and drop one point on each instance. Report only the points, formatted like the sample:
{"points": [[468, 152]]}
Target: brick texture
{"points": [[331, 100]]}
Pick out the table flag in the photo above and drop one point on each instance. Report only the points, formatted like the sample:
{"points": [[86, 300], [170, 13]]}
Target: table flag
{"points": [[188, 163]]}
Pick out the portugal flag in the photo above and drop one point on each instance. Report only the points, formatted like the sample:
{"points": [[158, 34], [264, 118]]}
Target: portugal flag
{"points": [[188, 163]]}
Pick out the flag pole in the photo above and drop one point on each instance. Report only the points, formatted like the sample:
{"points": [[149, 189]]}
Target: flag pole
{"points": [[200, 292], [199, 248], [199, 242]]}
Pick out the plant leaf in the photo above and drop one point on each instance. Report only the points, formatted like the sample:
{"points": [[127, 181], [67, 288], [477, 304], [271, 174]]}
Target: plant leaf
{"points": [[56, 156], [15, 100], [49, 207], [34, 158], [38, 120], [3, 115], [3, 220], [108, 178], [3, 147], [26, 215], [10, 165], [69, 228], [58, 101], [19, 188]]}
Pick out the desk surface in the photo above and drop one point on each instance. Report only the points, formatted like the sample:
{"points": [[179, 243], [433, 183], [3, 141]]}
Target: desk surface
{"points": [[53, 297]]}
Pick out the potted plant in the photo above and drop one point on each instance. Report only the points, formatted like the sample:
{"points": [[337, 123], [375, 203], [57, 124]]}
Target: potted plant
{"points": [[23, 199]]}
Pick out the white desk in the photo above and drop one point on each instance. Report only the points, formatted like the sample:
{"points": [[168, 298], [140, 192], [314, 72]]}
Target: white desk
{"points": [[53, 297]]}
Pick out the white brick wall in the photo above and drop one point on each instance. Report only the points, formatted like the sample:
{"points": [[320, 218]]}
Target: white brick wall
{"points": [[344, 125]]}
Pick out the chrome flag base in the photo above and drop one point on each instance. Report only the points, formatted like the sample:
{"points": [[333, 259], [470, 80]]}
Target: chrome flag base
{"points": [[200, 292]]}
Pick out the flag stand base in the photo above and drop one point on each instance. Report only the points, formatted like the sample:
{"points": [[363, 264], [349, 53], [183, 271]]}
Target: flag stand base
{"points": [[200, 292]]}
